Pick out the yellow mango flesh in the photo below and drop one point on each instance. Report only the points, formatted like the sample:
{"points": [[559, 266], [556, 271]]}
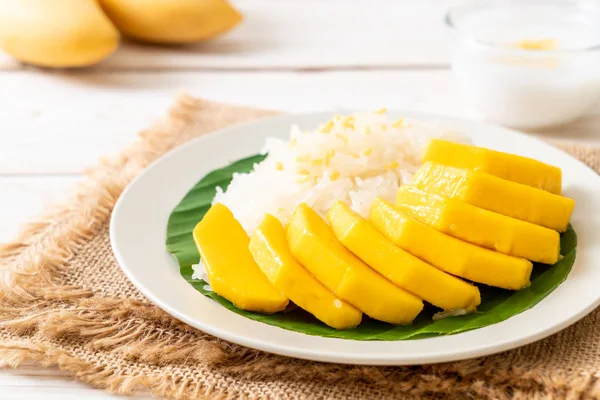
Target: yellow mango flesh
{"points": [[481, 227], [402, 268], [57, 33], [314, 245], [494, 194], [447, 253], [270, 250], [232, 272], [503, 165], [171, 21]]}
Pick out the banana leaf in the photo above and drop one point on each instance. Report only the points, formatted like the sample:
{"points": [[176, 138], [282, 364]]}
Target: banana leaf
{"points": [[496, 304]]}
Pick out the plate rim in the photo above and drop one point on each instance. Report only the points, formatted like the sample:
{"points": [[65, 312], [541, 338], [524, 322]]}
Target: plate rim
{"points": [[323, 356]]}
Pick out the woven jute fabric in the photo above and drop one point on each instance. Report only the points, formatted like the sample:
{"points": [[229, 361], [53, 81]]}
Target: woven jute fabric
{"points": [[65, 302]]}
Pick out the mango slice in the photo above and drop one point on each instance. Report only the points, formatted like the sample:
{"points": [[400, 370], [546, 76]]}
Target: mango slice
{"points": [[494, 194], [503, 165], [269, 247], [313, 244], [447, 253], [402, 268], [481, 227], [232, 272]]}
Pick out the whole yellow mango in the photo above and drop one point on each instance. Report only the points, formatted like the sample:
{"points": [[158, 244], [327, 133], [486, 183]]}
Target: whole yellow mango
{"points": [[56, 33], [171, 21]]}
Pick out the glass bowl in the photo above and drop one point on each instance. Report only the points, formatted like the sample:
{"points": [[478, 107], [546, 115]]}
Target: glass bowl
{"points": [[527, 64]]}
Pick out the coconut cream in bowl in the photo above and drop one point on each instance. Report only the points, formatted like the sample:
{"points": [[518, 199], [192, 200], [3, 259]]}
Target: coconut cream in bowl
{"points": [[529, 65]]}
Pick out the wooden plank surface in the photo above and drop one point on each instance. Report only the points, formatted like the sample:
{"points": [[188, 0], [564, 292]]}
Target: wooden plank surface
{"points": [[61, 123], [33, 382], [25, 197]]}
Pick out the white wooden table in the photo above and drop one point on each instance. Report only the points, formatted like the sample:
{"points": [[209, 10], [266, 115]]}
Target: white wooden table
{"points": [[295, 55]]}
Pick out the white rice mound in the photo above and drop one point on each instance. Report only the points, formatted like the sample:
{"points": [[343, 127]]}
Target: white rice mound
{"points": [[350, 158]]}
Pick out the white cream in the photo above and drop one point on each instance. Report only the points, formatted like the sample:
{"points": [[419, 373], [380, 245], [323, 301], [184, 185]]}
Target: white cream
{"points": [[527, 88]]}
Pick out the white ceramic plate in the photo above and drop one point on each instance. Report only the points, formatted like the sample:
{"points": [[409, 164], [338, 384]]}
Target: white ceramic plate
{"points": [[139, 223]]}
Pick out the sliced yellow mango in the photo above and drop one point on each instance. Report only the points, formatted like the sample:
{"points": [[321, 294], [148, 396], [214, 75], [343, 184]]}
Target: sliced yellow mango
{"points": [[499, 195], [402, 268], [232, 272], [313, 244], [447, 253], [503, 165], [269, 247], [481, 227]]}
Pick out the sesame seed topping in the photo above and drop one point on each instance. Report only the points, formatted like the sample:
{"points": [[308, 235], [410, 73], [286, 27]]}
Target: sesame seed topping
{"points": [[343, 137], [398, 123], [326, 128], [348, 122], [328, 156]]}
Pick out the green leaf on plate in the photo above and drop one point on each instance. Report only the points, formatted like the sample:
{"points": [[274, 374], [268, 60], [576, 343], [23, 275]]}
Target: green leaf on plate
{"points": [[496, 304]]}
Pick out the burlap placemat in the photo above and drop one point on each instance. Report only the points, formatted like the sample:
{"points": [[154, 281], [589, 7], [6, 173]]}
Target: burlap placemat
{"points": [[64, 302]]}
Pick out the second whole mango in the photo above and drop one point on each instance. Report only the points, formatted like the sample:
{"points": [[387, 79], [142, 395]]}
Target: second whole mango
{"points": [[171, 21]]}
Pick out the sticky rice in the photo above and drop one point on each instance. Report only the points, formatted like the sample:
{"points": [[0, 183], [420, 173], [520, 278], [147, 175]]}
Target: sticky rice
{"points": [[352, 158]]}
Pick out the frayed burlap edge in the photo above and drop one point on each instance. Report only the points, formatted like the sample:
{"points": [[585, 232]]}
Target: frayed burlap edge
{"points": [[31, 279]]}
